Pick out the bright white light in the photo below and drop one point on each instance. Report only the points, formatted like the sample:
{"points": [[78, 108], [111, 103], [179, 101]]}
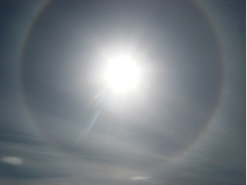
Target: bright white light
{"points": [[122, 74]]}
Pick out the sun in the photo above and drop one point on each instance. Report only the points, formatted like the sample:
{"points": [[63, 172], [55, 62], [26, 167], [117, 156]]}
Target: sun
{"points": [[122, 74]]}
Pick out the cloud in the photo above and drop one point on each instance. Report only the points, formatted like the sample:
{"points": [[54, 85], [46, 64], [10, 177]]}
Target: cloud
{"points": [[139, 178], [12, 160]]}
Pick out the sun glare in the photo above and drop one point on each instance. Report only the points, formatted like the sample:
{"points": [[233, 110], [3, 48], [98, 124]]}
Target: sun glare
{"points": [[122, 74]]}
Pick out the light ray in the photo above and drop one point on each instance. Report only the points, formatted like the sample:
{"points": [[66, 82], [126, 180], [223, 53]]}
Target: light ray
{"points": [[83, 135]]}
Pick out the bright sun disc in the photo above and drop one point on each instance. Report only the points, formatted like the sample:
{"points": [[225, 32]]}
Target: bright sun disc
{"points": [[122, 74]]}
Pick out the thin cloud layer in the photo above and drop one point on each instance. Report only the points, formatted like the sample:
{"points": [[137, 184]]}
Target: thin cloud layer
{"points": [[183, 124]]}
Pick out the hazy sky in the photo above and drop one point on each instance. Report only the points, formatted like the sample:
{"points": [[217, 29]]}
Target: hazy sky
{"points": [[183, 124]]}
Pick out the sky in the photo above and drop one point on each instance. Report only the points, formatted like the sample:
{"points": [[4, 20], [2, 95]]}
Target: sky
{"points": [[183, 123]]}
